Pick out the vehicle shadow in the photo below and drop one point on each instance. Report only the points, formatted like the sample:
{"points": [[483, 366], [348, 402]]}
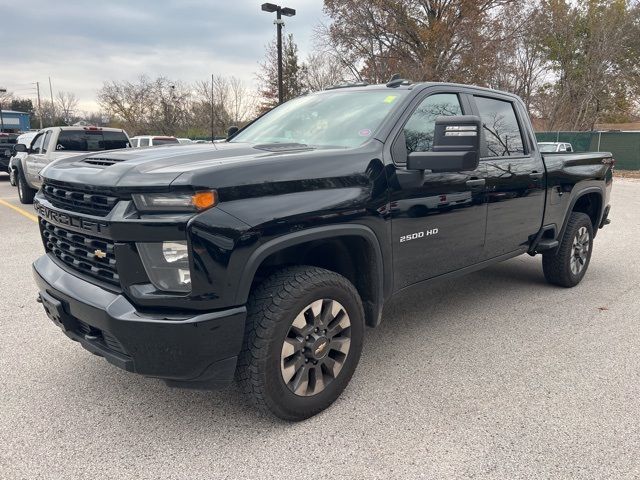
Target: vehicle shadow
{"points": [[409, 318]]}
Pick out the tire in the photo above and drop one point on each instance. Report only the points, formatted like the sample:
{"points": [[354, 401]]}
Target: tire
{"points": [[300, 307], [25, 192], [567, 265]]}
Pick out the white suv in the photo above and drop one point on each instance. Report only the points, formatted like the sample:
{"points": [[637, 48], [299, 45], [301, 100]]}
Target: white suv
{"points": [[152, 141]]}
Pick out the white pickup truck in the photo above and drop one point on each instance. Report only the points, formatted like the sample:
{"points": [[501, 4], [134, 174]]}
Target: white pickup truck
{"points": [[55, 143]]}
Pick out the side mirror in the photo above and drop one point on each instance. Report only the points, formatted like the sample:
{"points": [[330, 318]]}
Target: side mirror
{"points": [[456, 146], [20, 147], [232, 131]]}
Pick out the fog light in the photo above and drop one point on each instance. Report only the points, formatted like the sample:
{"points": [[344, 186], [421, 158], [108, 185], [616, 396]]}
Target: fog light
{"points": [[167, 265]]}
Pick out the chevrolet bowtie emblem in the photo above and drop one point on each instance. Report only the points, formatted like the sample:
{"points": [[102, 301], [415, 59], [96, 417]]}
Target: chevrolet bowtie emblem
{"points": [[100, 254]]}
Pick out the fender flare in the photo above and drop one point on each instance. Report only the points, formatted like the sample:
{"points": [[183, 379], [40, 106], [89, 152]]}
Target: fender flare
{"points": [[317, 233], [573, 202]]}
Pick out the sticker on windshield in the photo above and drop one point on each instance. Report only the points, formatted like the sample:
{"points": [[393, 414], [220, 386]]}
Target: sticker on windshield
{"points": [[390, 98], [365, 132]]}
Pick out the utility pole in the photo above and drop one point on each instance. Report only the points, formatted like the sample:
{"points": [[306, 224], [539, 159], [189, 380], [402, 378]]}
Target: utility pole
{"points": [[287, 12], [212, 108], [2, 91], [279, 23], [39, 103], [51, 93]]}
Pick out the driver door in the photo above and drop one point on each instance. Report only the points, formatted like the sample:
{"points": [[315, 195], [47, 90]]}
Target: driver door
{"points": [[438, 219]]}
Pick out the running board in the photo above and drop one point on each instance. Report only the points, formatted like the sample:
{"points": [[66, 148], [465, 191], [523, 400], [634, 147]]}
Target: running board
{"points": [[546, 244]]}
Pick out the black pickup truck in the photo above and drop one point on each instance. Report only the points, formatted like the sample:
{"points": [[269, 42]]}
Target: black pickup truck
{"points": [[264, 257]]}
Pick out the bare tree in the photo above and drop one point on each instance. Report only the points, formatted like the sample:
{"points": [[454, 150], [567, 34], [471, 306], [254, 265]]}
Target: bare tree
{"points": [[66, 103], [222, 102], [323, 69], [128, 103]]}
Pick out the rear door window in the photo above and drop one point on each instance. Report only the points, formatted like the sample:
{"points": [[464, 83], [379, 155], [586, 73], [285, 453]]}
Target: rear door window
{"points": [[90, 140], [501, 130]]}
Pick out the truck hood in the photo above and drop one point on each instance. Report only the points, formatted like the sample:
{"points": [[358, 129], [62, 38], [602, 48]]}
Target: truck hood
{"points": [[157, 167]]}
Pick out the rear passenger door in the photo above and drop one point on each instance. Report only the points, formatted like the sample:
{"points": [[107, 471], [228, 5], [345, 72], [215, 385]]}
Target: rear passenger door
{"points": [[514, 175]]}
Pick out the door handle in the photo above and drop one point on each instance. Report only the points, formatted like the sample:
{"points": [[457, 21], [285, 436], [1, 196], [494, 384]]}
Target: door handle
{"points": [[477, 182], [535, 174]]}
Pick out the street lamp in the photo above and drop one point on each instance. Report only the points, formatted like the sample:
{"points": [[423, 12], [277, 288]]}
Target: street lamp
{"points": [[287, 12], [2, 91]]}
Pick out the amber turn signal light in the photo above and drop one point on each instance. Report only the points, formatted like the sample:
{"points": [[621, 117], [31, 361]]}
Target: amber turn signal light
{"points": [[204, 200]]}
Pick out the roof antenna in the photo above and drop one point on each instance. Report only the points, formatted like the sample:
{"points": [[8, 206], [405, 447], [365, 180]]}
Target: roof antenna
{"points": [[396, 81]]}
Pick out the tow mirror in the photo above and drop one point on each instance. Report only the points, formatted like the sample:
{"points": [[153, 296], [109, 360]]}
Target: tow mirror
{"points": [[232, 131], [456, 146], [20, 147]]}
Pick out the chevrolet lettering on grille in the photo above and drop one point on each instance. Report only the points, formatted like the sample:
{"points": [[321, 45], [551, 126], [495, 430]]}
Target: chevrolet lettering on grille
{"points": [[68, 220]]}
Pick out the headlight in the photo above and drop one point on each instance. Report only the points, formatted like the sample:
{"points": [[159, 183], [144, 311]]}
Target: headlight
{"points": [[175, 202], [167, 265]]}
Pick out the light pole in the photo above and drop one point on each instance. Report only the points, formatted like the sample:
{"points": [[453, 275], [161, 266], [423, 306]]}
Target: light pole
{"points": [[287, 12], [2, 92]]}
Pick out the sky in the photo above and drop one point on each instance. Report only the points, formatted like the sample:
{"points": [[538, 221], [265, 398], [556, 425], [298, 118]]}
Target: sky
{"points": [[81, 44]]}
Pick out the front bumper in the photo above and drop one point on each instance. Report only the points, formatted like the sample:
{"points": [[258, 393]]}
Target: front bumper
{"points": [[186, 350]]}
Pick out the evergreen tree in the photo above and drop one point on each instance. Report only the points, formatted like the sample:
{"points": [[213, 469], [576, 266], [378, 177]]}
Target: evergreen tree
{"points": [[292, 74]]}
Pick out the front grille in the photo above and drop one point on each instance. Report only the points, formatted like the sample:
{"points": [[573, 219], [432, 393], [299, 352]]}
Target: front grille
{"points": [[103, 336], [77, 200], [81, 252]]}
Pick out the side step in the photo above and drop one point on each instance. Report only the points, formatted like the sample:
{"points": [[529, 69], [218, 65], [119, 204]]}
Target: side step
{"points": [[546, 244]]}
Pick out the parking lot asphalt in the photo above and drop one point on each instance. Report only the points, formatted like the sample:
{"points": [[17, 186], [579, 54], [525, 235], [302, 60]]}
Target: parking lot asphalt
{"points": [[493, 375]]}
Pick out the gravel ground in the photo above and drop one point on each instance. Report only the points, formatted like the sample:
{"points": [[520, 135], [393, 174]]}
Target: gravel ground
{"points": [[494, 375]]}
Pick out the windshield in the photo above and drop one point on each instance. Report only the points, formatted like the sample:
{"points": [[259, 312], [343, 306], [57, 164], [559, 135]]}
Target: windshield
{"points": [[548, 147], [336, 119], [91, 140]]}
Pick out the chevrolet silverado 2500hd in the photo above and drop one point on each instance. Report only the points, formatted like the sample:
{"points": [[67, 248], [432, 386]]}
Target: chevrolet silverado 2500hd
{"points": [[265, 256]]}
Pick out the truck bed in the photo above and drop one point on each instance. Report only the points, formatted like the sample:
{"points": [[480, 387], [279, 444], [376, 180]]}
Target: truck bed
{"points": [[567, 172]]}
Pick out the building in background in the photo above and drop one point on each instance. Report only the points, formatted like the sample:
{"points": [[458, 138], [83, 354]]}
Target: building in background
{"points": [[14, 122]]}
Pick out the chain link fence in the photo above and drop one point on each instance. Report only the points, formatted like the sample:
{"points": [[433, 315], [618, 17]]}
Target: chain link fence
{"points": [[625, 146]]}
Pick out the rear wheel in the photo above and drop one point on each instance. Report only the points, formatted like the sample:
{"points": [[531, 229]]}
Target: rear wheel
{"points": [[303, 341], [567, 265], [25, 192]]}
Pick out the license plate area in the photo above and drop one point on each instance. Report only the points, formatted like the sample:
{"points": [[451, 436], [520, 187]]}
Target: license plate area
{"points": [[55, 311]]}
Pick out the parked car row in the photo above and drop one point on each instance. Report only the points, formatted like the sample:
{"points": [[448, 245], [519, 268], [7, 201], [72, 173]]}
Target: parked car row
{"points": [[24, 156]]}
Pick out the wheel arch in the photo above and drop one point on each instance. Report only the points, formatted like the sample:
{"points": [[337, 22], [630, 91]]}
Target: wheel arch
{"points": [[589, 201], [339, 242]]}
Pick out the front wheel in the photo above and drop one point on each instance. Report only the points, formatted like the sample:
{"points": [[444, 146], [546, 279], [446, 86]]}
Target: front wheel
{"points": [[25, 192], [12, 177], [567, 265], [303, 341]]}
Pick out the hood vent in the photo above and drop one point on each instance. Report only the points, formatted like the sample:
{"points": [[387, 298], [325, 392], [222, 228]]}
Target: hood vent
{"points": [[102, 162]]}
